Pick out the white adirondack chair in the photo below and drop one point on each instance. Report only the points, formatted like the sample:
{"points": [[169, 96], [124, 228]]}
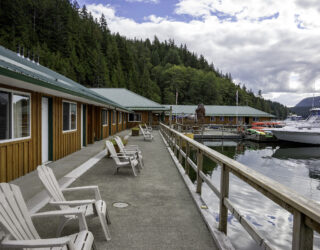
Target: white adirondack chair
{"points": [[147, 135], [19, 229], [148, 128], [136, 152], [92, 207], [121, 159]]}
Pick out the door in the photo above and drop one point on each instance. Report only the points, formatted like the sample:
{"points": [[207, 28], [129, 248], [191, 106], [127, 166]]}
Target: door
{"points": [[83, 126], [45, 129], [110, 122]]}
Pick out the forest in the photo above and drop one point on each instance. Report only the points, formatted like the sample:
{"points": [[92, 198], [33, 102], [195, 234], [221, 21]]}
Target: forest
{"points": [[69, 40]]}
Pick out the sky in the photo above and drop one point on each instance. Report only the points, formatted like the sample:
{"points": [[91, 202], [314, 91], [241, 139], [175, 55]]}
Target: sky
{"points": [[267, 45]]}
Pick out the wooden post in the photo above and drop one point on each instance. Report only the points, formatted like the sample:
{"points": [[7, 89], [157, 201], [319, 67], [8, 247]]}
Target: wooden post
{"points": [[175, 143], [199, 169], [180, 147], [186, 164], [302, 236], [224, 192], [170, 117]]}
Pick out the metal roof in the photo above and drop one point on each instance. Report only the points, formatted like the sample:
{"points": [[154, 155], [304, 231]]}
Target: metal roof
{"points": [[216, 110], [129, 99], [20, 68]]}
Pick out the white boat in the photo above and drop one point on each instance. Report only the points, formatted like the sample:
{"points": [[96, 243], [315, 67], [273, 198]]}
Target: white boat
{"points": [[307, 131]]}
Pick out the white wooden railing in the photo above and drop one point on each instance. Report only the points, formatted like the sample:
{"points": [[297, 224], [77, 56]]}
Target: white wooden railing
{"points": [[306, 213]]}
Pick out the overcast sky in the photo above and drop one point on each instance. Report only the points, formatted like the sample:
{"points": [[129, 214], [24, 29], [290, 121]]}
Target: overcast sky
{"points": [[272, 45]]}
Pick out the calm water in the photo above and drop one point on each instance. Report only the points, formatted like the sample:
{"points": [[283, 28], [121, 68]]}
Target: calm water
{"points": [[295, 167]]}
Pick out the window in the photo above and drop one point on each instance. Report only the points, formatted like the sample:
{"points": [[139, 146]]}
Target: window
{"points": [[255, 119], [69, 111], [230, 119], [212, 118], [120, 117], [114, 117], [240, 118], [221, 118], [104, 117], [135, 117], [15, 115], [124, 118]]}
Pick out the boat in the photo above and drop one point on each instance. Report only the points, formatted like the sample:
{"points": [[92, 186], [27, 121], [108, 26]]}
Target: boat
{"points": [[259, 136], [307, 131]]}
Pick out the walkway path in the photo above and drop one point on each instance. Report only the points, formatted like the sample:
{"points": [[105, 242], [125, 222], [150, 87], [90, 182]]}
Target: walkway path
{"points": [[161, 214]]}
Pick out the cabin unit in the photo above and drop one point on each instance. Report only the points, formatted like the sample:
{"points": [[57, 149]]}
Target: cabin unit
{"points": [[216, 114], [143, 109], [45, 116]]}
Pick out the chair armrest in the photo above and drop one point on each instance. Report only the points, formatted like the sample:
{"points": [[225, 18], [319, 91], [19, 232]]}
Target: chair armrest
{"points": [[39, 243], [82, 221], [95, 188], [72, 203], [121, 157]]}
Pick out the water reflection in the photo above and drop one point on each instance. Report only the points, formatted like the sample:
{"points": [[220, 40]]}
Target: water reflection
{"points": [[295, 167]]}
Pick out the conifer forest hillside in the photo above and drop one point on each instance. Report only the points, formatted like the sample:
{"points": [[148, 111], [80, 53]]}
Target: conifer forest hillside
{"points": [[69, 40]]}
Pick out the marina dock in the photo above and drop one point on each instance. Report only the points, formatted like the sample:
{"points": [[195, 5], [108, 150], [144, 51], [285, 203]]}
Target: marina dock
{"points": [[161, 212]]}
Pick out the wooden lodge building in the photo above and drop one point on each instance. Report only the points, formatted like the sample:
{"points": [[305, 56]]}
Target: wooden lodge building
{"points": [[45, 116], [144, 110], [215, 114]]}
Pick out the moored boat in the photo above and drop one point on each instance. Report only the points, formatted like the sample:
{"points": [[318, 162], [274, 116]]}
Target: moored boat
{"points": [[303, 132]]}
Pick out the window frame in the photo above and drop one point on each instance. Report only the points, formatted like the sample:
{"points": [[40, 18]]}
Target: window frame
{"points": [[231, 118], [114, 117], [107, 115], [119, 117], [70, 130], [212, 118], [221, 118], [17, 92], [134, 115], [255, 119]]}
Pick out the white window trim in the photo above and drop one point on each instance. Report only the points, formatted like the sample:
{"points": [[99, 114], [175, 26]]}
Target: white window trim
{"points": [[106, 125], [70, 130], [120, 117], [114, 117], [12, 92], [135, 120]]}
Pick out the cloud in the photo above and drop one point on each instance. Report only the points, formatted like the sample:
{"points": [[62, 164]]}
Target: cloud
{"points": [[143, 1], [275, 53]]}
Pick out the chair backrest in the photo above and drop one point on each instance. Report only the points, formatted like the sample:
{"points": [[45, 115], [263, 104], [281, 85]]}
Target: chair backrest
{"points": [[142, 130], [14, 214], [51, 184], [112, 151], [119, 143]]}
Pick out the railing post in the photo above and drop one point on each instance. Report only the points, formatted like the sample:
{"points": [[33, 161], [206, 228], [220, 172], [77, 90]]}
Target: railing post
{"points": [[175, 143], [199, 169], [224, 193], [186, 163], [180, 149], [302, 236]]}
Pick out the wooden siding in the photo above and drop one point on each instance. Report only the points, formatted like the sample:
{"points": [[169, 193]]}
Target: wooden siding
{"points": [[20, 157], [144, 119], [64, 143]]}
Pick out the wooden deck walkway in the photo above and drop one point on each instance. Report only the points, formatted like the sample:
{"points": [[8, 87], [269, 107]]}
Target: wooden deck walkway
{"points": [[161, 213]]}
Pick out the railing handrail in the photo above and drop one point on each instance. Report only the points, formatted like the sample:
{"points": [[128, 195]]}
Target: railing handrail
{"points": [[280, 194]]}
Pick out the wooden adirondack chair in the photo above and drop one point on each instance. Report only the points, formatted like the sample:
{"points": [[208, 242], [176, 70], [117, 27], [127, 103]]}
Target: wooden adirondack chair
{"points": [[147, 135], [92, 207], [121, 159], [19, 229], [129, 150]]}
